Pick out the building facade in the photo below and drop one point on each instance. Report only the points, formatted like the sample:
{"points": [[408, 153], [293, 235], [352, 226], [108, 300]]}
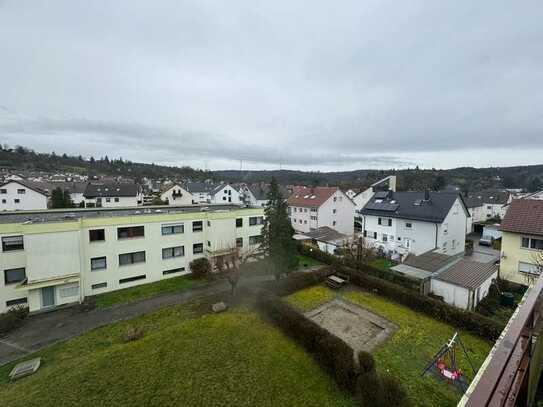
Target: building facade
{"points": [[176, 195], [61, 257], [118, 195], [21, 196]]}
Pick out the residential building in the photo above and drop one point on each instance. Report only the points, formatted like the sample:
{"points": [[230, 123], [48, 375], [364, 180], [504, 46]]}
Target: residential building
{"points": [[522, 241], [52, 258], [225, 194], [200, 191], [325, 239], [76, 190], [312, 208], [400, 223], [113, 195], [257, 194], [176, 195], [363, 197], [22, 195], [485, 205]]}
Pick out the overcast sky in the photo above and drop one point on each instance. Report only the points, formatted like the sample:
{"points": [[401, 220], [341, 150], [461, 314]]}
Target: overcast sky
{"points": [[324, 85]]}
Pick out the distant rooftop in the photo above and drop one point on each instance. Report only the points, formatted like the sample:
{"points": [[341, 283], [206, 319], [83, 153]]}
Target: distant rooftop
{"points": [[66, 215]]}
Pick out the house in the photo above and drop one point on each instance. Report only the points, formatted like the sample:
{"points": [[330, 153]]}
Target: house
{"points": [[176, 195], [363, 197], [52, 258], [522, 241], [200, 191], [225, 193], [465, 283], [257, 194], [399, 223], [111, 195], [485, 205], [76, 190], [22, 195], [325, 239], [311, 208], [423, 266]]}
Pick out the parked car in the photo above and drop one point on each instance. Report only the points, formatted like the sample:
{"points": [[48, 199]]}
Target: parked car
{"points": [[486, 240]]}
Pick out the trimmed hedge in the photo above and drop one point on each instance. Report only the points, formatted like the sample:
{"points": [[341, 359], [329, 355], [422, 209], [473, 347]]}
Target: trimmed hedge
{"points": [[12, 319], [473, 322], [297, 281], [332, 353], [363, 267]]}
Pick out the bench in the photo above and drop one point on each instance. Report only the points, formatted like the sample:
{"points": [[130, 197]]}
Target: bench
{"points": [[335, 281]]}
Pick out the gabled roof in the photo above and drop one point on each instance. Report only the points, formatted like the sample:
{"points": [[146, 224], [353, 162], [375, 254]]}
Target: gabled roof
{"points": [[467, 273], [219, 187], [524, 216], [30, 185], [430, 261], [306, 196], [490, 197], [199, 187], [412, 205], [111, 190], [260, 191], [326, 234]]}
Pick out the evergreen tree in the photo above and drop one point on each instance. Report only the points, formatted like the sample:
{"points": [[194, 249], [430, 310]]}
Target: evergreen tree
{"points": [[67, 198], [277, 242], [535, 185], [57, 198]]}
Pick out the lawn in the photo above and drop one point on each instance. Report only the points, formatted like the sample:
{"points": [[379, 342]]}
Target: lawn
{"points": [[184, 359], [144, 291], [306, 262], [405, 354], [382, 264]]}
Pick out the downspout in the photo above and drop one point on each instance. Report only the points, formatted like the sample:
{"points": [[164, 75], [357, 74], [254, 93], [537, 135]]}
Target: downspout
{"points": [[435, 224]]}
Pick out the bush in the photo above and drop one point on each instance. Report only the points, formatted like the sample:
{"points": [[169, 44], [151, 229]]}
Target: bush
{"points": [[12, 318], [200, 268], [132, 333], [297, 281], [366, 362], [478, 324], [333, 354]]}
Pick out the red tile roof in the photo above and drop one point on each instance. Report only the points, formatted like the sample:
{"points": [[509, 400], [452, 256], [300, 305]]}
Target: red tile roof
{"points": [[306, 196], [524, 216]]}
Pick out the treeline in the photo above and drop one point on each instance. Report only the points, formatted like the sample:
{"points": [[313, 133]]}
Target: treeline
{"points": [[22, 158]]}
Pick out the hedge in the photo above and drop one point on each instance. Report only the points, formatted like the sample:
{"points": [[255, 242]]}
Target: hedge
{"points": [[473, 322], [366, 268], [297, 281]]}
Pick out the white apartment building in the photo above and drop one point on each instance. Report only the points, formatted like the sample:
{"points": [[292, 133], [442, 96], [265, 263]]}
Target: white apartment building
{"points": [[21, 195], [312, 208], [201, 191], [363, 197], [56, 257], [113, 195], [415, 222], [176, 195], [225, 194], [486, 205]]}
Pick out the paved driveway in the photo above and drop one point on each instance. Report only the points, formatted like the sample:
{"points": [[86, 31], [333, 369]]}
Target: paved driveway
{"points": [[483, 254]]}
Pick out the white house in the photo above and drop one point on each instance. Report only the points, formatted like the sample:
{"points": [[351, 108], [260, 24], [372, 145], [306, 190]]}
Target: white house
{"points": [[62, 257], [22, 195], [415, 222], [363, 197], [257, 194], [465, 283], [312, 208], [176, 195], [200, 191], [113, 195], [225, 194], [486, 205]]}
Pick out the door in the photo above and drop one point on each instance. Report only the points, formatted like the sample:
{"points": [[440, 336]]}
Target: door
{"points": [[47, 297]]}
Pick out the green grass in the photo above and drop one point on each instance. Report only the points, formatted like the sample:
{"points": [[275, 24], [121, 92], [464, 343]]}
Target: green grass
{"points": [[229, 359], [306, 262], [382, 264], [406, 353], [144, 291]]}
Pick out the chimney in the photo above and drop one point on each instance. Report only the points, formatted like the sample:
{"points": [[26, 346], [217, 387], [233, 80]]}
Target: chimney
{"points": [[426, 194]]}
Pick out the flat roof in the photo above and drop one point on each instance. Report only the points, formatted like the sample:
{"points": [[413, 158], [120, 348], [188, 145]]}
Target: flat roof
{"points": [[71, 214]]}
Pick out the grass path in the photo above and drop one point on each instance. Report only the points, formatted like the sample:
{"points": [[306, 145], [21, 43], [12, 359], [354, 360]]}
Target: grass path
{"points": [[406, 353], [228, 359]]}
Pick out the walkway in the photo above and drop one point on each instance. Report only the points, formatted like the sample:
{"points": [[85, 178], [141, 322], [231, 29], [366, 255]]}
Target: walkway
{"points": [[42, 330]]}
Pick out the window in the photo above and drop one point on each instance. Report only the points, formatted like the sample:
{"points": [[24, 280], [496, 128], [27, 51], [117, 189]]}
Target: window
{"points": [[365, 233], [375, 235], [334, 210], [98, 285], [445, 228], [305, 222], [17, 200], [488, 207], [529, 268], [197, 248], [4, 201], [197, 226], [399, 239], [70, 291], [10, 243], [334, 223], [239, 242], [3, 191], [130, 232], [21, 191], [97, 235], [108, 199], [294, 209], [408, 225], [385, 238], [130, 279], [98, 263], [169, 252], [173, 271], [313, 209], [379, 221], [208, 224], [531, 243], [335, 199], [300, 221], [208, 243], [173, 229], [525, 242], [131, 258], [17, 301], [254, 240], [313, 218], [257, 220], [239, 222], [116, 199], [12, 276], [390, 222]]}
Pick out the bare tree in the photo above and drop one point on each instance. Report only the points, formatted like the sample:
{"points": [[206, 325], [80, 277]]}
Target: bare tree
{"points": [[537, 258], [229, 266], [357, 249]]}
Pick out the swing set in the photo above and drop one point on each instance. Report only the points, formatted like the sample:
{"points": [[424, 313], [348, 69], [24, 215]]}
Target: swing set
{"points": [[444, 366]]}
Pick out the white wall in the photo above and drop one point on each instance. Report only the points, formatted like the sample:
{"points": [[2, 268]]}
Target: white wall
{"points": [[114, 202], [338, 213], [177, 195], [226, 195], [452, 294], [452, 232], [27, 200]]}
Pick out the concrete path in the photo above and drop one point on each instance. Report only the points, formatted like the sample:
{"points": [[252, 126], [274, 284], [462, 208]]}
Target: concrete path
{"points": [[43, 330]]}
